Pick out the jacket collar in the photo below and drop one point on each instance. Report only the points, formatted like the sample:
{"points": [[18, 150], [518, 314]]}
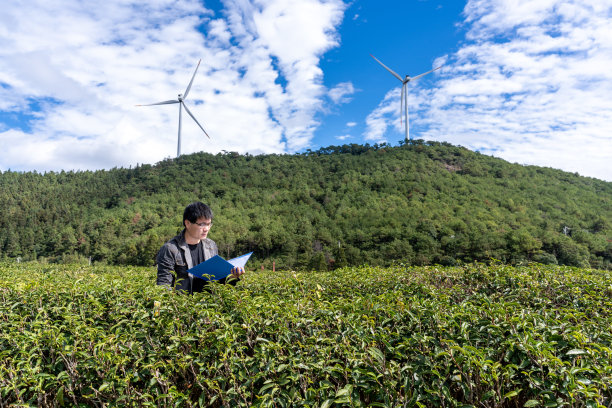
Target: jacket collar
{"points": [[180, 240], [181, 243]]}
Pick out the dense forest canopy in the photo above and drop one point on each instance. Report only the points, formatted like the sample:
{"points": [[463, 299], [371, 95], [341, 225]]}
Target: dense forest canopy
{"points": [[417, 203]]}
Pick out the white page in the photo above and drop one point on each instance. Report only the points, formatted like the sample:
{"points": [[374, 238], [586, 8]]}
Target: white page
{"points": [[241, 260]]}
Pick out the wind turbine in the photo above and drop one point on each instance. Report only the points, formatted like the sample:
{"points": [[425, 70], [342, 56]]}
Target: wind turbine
{"points": [[404, 95], [181, 102]]}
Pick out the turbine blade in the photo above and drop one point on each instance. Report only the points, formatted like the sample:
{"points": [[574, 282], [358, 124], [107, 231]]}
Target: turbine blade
{"points": [[162, 103], [425, 73], [193, 117], [191, 82], [388, 69]]}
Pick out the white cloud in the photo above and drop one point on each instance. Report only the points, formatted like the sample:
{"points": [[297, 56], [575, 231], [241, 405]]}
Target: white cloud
{"points": [[387, 112], [341, 93], [532, 85], [258, 88]]}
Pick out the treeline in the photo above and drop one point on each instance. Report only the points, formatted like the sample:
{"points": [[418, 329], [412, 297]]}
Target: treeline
{"points": [[418, 203]]}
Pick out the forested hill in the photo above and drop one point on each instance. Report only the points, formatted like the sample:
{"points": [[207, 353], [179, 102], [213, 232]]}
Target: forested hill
{"points": [[418, 203]]}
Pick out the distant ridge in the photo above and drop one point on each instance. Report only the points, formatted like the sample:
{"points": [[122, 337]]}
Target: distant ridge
{"points": [[417, 203]]}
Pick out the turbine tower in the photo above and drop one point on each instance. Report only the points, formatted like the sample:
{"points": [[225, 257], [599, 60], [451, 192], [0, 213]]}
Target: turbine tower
{"points": [[404, 95], [181, 102]]}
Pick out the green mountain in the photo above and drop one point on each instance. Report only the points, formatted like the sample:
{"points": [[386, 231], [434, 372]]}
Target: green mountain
{"points": [[417, 203]]}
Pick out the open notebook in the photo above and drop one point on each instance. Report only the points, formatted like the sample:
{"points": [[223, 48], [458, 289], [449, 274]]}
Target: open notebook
{"points": [[216, 268]]}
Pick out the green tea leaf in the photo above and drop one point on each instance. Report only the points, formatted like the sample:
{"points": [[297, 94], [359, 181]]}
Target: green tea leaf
{"points": [[512, 393], [576, 352], [327, 403]]}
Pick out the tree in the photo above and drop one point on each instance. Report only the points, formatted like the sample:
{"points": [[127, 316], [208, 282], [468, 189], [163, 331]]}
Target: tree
{"points": [[340, 260], [318, 262]]}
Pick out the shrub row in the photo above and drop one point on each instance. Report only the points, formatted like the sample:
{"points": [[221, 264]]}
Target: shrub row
{"points": [[481, 336]]}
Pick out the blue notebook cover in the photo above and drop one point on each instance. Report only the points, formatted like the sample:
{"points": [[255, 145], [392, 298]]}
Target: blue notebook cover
{"points": [[216, 268]]}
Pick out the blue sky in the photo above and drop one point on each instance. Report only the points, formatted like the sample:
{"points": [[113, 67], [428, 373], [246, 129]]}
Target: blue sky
{"points": [[525, 81]]}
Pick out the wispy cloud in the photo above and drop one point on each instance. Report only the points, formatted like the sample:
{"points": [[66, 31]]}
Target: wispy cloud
{"points": [[532, 84], [386, 114], [341, 93], [258, 89]]}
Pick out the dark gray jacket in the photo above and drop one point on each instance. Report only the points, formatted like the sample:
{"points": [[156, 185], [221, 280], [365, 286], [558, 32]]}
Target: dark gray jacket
{"points": [[173, 260]]}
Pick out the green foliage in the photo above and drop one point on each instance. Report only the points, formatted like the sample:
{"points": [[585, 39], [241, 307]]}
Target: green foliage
{"points": [[421, 203], [474, 335]]}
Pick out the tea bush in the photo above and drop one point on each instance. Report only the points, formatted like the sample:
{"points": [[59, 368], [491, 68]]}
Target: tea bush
{"points": [[481, 336]]}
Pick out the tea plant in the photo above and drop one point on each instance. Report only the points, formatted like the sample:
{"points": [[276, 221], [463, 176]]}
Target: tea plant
{"points": [[481, 336]]}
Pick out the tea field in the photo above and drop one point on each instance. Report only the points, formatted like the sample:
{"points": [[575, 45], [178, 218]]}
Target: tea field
{"points": [[470, 336]]}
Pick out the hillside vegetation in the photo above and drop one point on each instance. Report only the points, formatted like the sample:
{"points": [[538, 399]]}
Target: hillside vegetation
{"points": [[420, 203], [471, 336]]}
